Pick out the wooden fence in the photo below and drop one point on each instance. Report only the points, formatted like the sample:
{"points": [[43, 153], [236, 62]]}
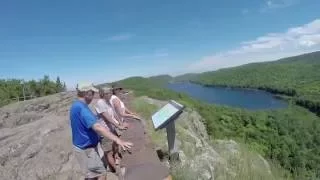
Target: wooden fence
{"points": [[16, 99]]}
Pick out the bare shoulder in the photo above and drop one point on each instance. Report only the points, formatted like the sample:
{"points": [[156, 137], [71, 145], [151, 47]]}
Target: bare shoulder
{"points": [[115, 99]]}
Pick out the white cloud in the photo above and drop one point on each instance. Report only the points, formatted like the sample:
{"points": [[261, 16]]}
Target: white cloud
{"points": [[120, 37], [156, 54], [277, 4], [244, 11], [161, 54], [272, 46], [135, 57]]}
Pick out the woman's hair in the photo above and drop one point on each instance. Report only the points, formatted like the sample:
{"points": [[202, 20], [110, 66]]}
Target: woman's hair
{"points": [[104, 91], [114, 89], [101, 93]]}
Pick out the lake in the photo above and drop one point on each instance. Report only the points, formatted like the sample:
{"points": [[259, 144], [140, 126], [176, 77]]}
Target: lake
{"points": [[241, 98]]}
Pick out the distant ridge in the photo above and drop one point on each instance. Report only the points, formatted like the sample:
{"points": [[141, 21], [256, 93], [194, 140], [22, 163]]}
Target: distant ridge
{"points": [[297, 77]]}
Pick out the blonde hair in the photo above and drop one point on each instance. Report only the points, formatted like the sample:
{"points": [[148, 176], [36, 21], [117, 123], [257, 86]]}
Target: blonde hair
{"points": [[103, 91]]}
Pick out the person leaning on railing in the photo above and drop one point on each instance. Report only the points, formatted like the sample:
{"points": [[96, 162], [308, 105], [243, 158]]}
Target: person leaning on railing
{"points": [[86, 132], [119, 107], [108, 119]]}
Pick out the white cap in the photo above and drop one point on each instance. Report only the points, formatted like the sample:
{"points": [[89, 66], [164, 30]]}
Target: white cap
{"points": [[84, 86]]}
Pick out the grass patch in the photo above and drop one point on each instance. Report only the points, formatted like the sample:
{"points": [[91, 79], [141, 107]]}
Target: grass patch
{"points": [[183, 173], [145, 110], [243, 164]]}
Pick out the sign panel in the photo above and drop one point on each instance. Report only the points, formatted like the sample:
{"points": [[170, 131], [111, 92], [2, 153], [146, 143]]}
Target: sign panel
{"points": [[166, 114]]}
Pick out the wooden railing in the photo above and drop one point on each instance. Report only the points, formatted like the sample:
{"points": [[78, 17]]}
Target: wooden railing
{"points": [[16, 99]]}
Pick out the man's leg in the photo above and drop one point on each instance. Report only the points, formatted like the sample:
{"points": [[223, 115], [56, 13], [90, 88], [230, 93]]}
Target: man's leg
{"points": [[102, 178], [168, 178], [111, 161], [91, 163], [96, 163], [114, 157]]}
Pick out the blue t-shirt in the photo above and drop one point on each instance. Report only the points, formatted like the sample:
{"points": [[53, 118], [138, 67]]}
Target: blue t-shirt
{"points": [[82, 120]]}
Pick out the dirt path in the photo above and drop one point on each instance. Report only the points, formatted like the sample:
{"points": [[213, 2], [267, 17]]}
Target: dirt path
{"points": [[142, 162]]}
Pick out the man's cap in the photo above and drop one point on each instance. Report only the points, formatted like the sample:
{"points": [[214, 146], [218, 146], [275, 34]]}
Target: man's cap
{"points": [[85, 86]]}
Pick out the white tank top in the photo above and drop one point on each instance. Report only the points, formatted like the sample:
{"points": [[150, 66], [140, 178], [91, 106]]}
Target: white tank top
{"points": [[101, 106], [122, 107]]}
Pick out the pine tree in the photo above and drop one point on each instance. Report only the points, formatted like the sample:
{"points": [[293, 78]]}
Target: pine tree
{"points": [[59, 86]]}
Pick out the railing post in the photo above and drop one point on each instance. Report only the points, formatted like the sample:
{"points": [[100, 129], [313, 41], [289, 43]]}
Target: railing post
{"points": [[24, 96]]}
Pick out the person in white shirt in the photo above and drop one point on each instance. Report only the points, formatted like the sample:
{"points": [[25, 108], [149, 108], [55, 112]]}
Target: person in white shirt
{"points": [[121, 111], [107, 116], [108, 120]]}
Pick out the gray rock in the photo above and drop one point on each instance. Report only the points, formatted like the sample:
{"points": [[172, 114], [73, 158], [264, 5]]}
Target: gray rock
{"points": [[206, 175], [35, 141]]}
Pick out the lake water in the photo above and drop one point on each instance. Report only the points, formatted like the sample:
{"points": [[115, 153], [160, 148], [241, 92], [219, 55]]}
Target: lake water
{"points": [[242, 98]]}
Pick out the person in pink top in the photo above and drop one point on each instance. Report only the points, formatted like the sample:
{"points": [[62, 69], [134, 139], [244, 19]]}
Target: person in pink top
{"points": [[121, 111]]}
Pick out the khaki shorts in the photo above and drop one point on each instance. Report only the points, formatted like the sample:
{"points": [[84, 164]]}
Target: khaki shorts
{"points": [[92, 161]]}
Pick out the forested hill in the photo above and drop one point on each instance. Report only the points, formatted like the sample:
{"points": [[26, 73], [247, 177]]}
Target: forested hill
{"points": [[161, 79], [288, 137], [186, 77], [297, 77]]}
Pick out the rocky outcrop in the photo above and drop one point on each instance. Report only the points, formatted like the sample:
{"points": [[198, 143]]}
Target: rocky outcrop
{"points": [[35, 140]]}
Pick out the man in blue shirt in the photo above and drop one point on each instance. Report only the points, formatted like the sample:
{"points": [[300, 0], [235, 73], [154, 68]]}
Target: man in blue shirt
{"points": [[86, 132]]}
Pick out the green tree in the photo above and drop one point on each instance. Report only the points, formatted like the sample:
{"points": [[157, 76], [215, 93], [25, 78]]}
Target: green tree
{"points": [[12, 89], [59, 85]]}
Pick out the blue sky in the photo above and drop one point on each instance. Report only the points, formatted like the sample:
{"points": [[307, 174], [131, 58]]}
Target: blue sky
{"points": [[106, 40]]}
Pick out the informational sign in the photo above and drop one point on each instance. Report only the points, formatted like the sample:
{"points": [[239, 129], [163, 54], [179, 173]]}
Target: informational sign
{"points": [[166, 114]]}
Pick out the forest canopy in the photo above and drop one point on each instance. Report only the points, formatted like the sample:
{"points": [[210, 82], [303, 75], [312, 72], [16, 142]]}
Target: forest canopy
{"points": [[12, 90]]}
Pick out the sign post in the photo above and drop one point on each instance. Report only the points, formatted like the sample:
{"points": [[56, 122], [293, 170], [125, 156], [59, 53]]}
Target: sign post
{"points": [[165, 118], [171, 137]]}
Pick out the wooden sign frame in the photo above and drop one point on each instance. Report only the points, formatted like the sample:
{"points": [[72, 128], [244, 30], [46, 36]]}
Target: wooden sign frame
{"points": [[169, 124], [173, 117]]}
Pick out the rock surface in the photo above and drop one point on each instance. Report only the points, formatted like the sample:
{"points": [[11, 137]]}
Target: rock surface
{"points": [[35, 139]]}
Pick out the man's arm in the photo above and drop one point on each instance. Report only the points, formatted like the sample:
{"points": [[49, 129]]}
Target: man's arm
{"points": [[107, 134], [90, 121]]}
